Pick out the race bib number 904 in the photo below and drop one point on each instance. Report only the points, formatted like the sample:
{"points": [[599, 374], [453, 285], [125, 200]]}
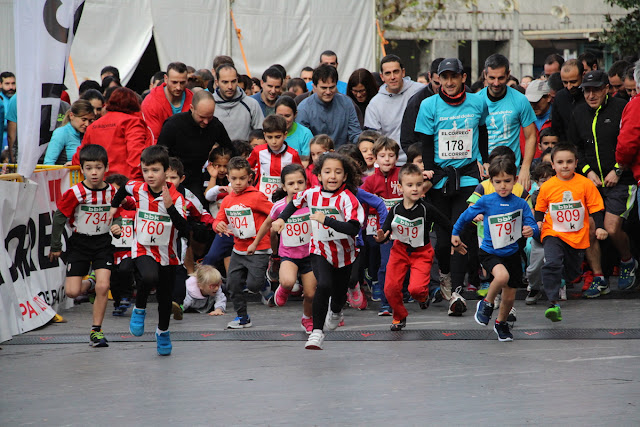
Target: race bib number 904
{"points": [[92, 220], [455, 144]]}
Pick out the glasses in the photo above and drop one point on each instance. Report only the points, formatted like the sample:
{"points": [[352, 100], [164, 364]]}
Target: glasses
{"points": [[359, 92]]}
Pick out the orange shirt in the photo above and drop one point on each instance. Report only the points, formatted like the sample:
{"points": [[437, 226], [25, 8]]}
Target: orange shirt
{"points": [[567, 206]]}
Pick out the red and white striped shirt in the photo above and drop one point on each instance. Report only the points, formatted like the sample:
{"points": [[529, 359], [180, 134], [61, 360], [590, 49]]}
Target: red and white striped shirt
{"points": [[337, 248], [155, 234], [268, 165], [87, 209]]}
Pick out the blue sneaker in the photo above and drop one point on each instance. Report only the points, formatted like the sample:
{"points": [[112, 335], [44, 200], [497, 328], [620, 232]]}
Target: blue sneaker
{"points": [[163, 341], [125, 302], [136, 324], [627, 278], [598, 287], [484, 289], [240, 322], [436, 295], [385, 310], [119, 311], [484, 310], [376, 291]]}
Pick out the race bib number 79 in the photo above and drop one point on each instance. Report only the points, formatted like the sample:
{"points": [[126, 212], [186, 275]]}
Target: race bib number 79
{"points": [[505, 229]]}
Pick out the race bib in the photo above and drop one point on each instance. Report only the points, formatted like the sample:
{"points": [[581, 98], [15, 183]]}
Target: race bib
{"points": [[455, 144], [389, 203], [505, 229], [126, 234], [372, 225], [567, 216], [153, 228], [241, 222], [268, 185], [323, 233], [92, 219], [409, 231], [297, 231]]}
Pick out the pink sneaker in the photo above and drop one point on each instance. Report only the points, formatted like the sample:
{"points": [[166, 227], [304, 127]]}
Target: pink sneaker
{"points": [[281, 296], [307, 325], [356, 298]]}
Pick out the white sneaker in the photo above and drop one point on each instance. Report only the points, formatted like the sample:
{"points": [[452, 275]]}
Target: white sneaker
{"points": [[512, 315], [458, 304], [333, 320], [315, 340], [496, 302], [563, 293], [445, 286]]}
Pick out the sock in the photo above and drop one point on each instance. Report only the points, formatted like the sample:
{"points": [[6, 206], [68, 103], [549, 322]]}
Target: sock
{"points": [[306, 317], [96, 328], [487, 301], [626, 261], [158, 331]]}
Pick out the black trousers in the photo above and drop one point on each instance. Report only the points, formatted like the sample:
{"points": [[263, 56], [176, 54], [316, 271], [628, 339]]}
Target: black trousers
{"points": [[150, 273], [122, 281], [332, 282]]}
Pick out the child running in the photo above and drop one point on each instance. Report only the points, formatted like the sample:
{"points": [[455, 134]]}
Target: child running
{"points": [[408, 225], [294, 245], [507, 218], [563, 203], [85, 207], [160, 215], [336, 220]]}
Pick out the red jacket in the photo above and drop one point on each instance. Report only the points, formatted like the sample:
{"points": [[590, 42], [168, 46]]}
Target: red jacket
{"points": [[124, 136], [628, 148], [385, 187], [156, 109], [260, 208], [312, 180]]}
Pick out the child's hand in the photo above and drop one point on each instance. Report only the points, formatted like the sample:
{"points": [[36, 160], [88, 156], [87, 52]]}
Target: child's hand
{"points": [[601, 234], [277, 225], [217, 312], [457, 245], [427, 174], [381, 236], [225, 189], [166, 197], [318, 216], [111, 214], [252, 248], [540, 226], [527, 231], [221, 228], [54, 255], [479, 218], [116, 230]]}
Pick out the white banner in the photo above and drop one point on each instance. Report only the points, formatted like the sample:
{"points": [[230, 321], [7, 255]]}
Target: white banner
{"points": [[44, 31], [31, 287]]}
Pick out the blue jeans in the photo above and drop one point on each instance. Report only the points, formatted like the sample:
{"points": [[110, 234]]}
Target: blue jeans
{"points": [[220, 249]]}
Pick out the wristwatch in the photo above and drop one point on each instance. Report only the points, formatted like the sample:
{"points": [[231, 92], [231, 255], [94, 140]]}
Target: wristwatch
{"points": [[619, 172]]}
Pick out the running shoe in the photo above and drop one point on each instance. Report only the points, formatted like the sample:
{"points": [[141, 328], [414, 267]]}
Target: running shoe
{"points": [[471, 287], [119, 311], [588, 278], [297, 290], [599, 286], [484, 289], [97, 339], [562, 292], [273, 271], [316, 338], [445, 286], [424, 304], [240, 322], [385, 310], [502, 330], [333, 320], [457, 304], [136, 324], [532, 297], [307, 325], [176, 310], [125, 302], [398, 325], [436, 295], [484, 310], [163, 343], [553, 313], [356, 298], [281, 296], [376, 291], [627, 277], [512, 315], [266, 295]]}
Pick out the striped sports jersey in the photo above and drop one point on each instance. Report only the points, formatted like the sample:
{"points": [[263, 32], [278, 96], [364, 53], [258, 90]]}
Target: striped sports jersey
{"points": [[154, 233], [268, 165], [87, 209], [337, 248]]}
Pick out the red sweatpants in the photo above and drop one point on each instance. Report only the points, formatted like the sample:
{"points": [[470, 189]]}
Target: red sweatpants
{"points": [[400, 261]]}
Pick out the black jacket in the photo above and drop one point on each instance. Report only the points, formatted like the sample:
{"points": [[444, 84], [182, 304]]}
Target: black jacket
{"points": [[598, 153], [407, 128], [563, 106]]}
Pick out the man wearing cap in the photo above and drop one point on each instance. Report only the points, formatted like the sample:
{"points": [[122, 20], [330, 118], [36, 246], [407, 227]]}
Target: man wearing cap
{"points": [[509, 111], [568, 98], [594, 128], [539, 95], [451, 127]]}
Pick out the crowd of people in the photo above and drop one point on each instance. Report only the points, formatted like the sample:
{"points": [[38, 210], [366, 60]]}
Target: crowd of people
{"points": [[212, 185]]}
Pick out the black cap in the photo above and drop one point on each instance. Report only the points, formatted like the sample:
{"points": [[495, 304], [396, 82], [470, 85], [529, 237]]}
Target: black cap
{"points": [[451, 64], [596, 78]]}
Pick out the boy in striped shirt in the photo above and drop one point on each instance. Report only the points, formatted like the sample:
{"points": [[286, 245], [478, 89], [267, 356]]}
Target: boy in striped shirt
{"points": [[86, 206], [160, 215]]}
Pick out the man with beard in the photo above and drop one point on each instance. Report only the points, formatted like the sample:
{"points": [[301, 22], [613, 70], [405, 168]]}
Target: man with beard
{"points": [[8, 87], [568, 98]]}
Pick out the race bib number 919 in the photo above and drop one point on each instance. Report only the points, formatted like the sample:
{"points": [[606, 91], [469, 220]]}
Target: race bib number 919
{"points": [[408, 231]]}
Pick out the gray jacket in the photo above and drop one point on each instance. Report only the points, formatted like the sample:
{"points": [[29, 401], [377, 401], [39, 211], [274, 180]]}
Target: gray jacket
{"points": [[337, 119], [239, 115]]}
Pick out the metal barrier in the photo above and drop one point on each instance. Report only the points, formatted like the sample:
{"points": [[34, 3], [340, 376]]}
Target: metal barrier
{"points": [[75, 173]]}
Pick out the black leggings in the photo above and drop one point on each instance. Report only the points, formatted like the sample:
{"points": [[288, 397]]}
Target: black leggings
{"points": [[122, 281], [332, 282], [150, 273]]}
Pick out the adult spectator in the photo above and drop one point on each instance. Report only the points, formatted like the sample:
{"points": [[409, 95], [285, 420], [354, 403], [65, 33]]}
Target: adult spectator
{"points": [[589, 61], [108, 82], [205, 75], [109, 70], [169, 98], [616, 76], [451, 128], [272, 80], [96, 100], [157, 79], [555, 85], [329, 57], [538, 96], [568, 98], [239, 113], [122, 132], [594, 129], [384, 113], [630, 82], [552, 64], [7, 90], [67, 139], [191, 135], [423, 78], [524, 81], [298, 136], [246, 84], [327, 111], [306, 74], [89, 84], [361, 88], [509, 110], [297, 86], [628, 148]]}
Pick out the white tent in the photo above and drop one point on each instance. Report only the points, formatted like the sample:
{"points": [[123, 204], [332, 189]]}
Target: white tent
{"points": [[292, 33]]}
